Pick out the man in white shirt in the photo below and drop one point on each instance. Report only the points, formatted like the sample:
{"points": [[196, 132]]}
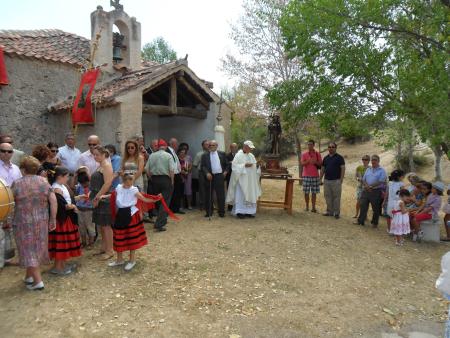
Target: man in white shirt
{"points": [[87, 158], [9, 172], [18, 155], [214, 166], [178, 186], [69, 155]]}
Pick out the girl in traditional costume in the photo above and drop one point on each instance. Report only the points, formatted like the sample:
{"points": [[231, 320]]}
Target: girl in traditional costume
{"points": [[128, 206], [64, 241]]}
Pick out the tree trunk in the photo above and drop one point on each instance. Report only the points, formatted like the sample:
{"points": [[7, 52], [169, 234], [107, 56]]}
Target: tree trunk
{"points": [[437, 151], [399, 154], [298, 150], [411, 155]]}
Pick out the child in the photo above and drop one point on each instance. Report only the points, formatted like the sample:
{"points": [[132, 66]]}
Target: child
{"points": [[446, 210], [399, 225], [395, 185], [84, 205], [430, 209], [443, 285], [128, 230], [64, 241]]}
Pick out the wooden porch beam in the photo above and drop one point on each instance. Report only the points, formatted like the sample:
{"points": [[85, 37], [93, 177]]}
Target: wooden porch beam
{"points": [[167, 111], [194, 92], [173, 95]]}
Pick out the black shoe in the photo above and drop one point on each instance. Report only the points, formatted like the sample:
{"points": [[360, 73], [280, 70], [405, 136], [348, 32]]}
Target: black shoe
{"points": [[160, 229], [241, 216], [180, 212], [230, 207], [222, 215], [206, 215], [327, 214], [336, 216], [250, 216]]}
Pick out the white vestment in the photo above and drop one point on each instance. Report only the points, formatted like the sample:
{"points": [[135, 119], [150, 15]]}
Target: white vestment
{"points": [[244, 189]]}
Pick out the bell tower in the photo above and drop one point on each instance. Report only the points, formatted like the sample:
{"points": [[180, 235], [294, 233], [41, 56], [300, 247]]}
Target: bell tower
{"points": [[115, 39]]}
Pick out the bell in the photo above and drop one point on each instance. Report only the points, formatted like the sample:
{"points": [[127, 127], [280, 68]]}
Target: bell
{"points": [[117, 53]]}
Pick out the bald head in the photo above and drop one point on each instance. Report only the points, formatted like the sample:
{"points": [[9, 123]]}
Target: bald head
{"points": [[93, 141], [233, 148], [154, 145], [173, 142], [6, 152]]}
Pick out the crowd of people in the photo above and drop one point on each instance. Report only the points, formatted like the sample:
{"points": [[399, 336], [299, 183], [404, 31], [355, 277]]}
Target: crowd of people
{"points": [[65, 199], [404, 205]]}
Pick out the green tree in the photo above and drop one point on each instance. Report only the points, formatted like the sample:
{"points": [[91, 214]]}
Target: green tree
{"points": [[386, 58], [159, 51], [247, 122]]}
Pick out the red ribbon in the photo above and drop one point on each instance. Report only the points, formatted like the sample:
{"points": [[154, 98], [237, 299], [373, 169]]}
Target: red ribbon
{"points": [[143, 206]]}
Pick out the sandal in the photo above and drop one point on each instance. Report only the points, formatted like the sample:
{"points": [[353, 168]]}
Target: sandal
{"points": [[106, 256], [98, 253]]}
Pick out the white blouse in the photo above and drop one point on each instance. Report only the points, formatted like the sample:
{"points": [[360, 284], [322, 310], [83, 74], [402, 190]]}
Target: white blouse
{"points": [[64, 190], [126, 197]]}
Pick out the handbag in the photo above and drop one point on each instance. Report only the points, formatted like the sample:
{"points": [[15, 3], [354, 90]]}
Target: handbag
{"points": [[9, 249]]}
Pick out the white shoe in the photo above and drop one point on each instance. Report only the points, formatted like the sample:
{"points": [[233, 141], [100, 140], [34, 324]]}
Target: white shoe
{"points": [[130, 265], [28, 281], [115, 263], [37, 287], [420, 236]]}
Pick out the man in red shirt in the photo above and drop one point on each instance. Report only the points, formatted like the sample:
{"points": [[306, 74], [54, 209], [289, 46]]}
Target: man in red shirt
{"points": [[311, 162]]}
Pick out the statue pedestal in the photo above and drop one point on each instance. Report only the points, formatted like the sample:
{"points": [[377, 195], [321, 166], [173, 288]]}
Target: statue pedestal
{"points": [[272, 166], [219, 136]]}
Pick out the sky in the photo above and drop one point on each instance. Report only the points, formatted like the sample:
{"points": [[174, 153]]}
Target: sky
{"points": [[199, 28]]}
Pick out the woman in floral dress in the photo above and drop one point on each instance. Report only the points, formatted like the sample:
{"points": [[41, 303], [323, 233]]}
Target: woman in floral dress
{"points": [[32, 222]]}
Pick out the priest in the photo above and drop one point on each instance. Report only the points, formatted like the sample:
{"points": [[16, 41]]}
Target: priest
{"points": [[244, 189]]}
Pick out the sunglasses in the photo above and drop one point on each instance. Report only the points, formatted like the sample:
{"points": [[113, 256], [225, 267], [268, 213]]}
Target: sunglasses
{"points": [[213, 145], [6, 151], [54, 150], [92, 144], [365, 159]]}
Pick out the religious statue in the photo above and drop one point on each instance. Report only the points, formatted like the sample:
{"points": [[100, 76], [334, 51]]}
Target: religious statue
{"points": [[275, 134]]}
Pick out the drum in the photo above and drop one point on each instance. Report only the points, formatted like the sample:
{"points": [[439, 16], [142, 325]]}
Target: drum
{"points": [[6, 201]]}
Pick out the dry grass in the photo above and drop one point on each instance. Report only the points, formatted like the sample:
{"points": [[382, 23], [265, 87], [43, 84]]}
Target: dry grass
{"points": [[274, 276]]}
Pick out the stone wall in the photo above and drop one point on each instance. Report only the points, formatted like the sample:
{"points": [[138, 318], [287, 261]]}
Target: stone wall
{"points": [[23, 103], [106, 127]]}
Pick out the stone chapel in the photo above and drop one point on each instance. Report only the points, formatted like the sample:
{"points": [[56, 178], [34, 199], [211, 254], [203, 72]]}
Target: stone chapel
{"points": [[131, 96]]}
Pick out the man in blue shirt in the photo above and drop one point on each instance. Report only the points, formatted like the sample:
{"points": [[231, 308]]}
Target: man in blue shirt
{"points": [[333, 168], [373, 181]]}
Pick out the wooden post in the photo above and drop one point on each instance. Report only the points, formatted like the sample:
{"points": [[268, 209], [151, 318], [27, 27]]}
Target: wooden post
{"points": [[173, 95]]}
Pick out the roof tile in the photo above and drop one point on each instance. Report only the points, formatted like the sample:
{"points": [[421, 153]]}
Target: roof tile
{"points": [[49, 44]]}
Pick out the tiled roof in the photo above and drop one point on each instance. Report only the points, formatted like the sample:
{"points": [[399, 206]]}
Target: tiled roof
{"points": [[152, 75], [47, 44]]}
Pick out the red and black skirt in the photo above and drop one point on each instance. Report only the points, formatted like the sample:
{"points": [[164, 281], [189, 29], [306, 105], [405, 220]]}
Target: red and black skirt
{"points": [[130, 237], [64, 241]]}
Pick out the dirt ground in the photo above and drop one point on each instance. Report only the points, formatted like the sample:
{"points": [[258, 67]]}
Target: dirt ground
{"points": [[304, 275]]}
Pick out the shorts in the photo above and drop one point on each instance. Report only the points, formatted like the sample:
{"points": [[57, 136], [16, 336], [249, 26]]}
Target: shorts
{"points": [[311, 184], [85, 225], [359, 191]]}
